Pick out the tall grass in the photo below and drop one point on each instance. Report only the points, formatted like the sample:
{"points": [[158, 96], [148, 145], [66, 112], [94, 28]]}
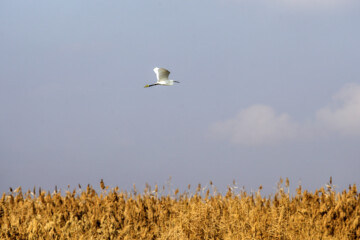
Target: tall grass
{"points": [[203, 214]]}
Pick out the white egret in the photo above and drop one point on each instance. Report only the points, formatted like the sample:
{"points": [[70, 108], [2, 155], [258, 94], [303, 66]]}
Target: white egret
{"points": [[162, 76]]}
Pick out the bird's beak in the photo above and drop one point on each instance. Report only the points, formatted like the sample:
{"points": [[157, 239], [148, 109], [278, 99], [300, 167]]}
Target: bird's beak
{"points": [[146, 86], [176, 81]]}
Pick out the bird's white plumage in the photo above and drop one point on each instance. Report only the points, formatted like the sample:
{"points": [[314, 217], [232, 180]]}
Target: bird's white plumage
{"points": [[162, 76], [156, 70]]}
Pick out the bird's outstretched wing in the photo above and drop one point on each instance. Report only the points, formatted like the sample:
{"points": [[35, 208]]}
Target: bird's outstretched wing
{"points": [[161, 73]]}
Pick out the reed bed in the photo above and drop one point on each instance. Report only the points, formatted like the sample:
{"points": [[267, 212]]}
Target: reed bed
{"points": [[203, 214]]}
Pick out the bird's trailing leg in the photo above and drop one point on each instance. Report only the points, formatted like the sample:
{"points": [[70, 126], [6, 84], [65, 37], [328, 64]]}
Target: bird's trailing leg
{"points": [[151, 85]]}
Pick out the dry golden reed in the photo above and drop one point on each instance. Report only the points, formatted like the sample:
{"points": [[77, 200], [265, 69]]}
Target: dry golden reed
{"points": [[114, 214]]}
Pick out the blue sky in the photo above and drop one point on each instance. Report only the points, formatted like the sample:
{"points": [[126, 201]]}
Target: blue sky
{"points": [[268, 89]]}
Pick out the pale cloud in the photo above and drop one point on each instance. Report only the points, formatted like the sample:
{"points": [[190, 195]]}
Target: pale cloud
{"points": [[304, 5], [261, 125], [343, 115], [256, 125], [315, 3]]}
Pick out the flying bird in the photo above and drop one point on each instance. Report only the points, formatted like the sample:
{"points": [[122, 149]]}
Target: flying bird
{"points": [[162, 76]]}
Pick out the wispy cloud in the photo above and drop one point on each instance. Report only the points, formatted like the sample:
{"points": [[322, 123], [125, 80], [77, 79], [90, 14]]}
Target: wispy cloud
{"points": [[261, 125], [257, 125], [343, 114], [314, 3], [303, 5]]}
